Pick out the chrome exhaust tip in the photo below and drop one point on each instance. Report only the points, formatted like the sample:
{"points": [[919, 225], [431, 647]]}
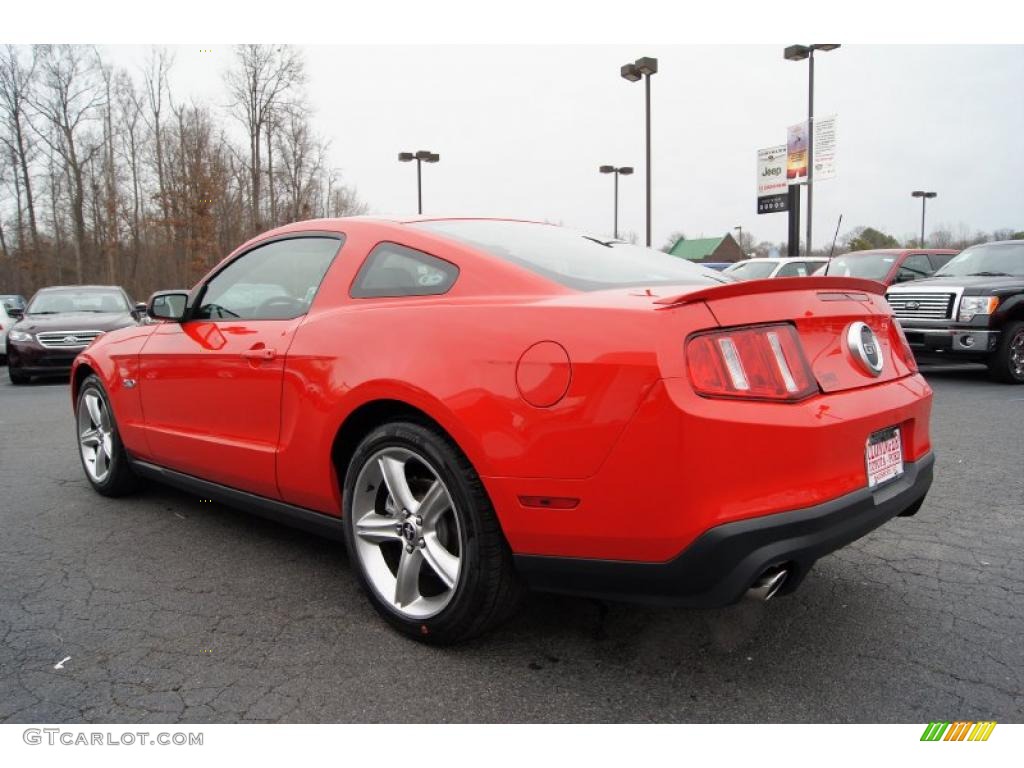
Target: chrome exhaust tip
{"points": [[768, 584]]}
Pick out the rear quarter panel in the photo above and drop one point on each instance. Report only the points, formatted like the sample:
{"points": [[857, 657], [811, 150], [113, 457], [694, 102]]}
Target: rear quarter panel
{"points": [[456, 360]]}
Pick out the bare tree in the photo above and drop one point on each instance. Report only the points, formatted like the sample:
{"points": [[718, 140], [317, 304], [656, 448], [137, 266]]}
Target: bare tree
{"points": [[672, 240], [302, 159], [16, 82], [941, 238], [264, 78], [69, 99], [56, 172], [157, 91], [129, 185], [129, 108], [4, 250]]}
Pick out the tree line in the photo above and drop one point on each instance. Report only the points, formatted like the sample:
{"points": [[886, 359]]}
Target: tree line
{"points": [[869, 238], [109, 177]]}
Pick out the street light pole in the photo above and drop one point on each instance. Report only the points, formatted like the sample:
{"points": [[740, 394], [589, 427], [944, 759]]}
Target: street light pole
{"points": [[422, 156], [419, 186], [647, 115], [644, 67], [623, 171], [925, 197], [798, 53], [810, 146]]}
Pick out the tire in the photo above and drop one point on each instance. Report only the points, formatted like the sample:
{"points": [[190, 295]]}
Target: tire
{"points": [[17, 377], [100, 449], [1007, 363], [445, 535]]}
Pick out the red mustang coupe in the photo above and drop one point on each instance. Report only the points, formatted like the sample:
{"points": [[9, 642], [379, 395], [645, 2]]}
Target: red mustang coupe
{"points": [[478, 406]]}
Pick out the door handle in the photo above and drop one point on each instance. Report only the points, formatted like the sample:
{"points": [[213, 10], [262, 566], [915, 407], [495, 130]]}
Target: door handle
{"points": [[264, 353]]}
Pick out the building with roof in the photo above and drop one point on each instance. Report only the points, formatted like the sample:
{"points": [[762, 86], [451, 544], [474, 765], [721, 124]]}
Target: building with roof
{"points": [[708, 249]]}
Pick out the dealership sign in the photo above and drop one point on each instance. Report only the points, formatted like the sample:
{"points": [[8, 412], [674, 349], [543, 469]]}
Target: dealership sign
{"points": [[771, 180], [824, 148], [796, 153]]}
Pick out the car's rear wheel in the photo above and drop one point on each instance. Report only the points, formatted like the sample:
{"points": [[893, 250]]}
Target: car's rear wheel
{"points": [[99, 443], [423, 536], [1007, 362]]}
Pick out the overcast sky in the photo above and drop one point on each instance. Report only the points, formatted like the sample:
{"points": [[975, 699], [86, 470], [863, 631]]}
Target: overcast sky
{"points": [[521, 130]]}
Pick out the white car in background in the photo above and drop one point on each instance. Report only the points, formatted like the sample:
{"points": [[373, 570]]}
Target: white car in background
{"points": [[6, 321], [762, 269]]}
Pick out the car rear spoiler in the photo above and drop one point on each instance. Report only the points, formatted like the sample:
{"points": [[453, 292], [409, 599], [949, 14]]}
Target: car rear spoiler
{"points": [[776, 285]]}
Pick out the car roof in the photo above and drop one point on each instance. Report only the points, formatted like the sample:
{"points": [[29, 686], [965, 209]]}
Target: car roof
{"points": [[898, 251], [780, 259]]}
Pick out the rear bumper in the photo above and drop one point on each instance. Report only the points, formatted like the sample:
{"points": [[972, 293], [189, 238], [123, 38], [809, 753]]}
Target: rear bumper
{"points": [[722, 563]]}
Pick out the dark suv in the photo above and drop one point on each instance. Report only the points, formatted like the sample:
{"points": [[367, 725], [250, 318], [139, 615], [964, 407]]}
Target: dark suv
{"points": [[60, 322], [971, 310]]}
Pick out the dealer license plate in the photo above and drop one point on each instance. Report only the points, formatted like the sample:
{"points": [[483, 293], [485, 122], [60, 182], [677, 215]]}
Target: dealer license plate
{"points": [[884, 456]]}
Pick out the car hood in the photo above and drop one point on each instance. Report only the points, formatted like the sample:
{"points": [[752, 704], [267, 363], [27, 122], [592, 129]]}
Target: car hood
{"points": [[76, 321], [965, 281]]}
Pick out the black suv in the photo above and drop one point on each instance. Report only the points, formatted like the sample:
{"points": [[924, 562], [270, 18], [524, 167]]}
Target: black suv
{"points": [[972, 310]]}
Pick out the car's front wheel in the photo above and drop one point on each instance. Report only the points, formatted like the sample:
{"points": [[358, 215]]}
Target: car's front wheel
{"points": [[16, 376], [99, 443], [423, 536], [1007, 362]]}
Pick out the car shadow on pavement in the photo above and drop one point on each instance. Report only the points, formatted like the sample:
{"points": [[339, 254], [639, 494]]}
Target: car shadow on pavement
{"points": [[555, 635], [962, 372]]}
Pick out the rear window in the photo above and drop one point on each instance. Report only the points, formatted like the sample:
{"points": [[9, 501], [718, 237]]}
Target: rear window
{"points": [[573, 259], [394, 270], [752, 270], [867, 264]]}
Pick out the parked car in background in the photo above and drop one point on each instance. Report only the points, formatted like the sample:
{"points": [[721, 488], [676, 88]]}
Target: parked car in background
{"points": [[889, 265], [12, 300], [718, 266], [464, 400], [6, 321], [61, 321], [760, 269], [972, 310]]}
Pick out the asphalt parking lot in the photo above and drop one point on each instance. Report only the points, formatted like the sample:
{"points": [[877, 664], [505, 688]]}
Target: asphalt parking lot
{"points": [[173, 609]]}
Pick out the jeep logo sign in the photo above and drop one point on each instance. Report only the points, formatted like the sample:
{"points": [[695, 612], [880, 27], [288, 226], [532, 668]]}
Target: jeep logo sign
{"points": [[772, 189]]}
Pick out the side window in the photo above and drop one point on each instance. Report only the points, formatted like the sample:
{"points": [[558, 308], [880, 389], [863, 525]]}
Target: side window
{"points": [[394, 270], [914, 268], [793, 269], [276, 281], [939, 260]]}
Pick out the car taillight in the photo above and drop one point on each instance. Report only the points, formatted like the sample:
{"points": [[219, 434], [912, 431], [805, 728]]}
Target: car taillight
{"points": [[903, 346], [762, 362]]}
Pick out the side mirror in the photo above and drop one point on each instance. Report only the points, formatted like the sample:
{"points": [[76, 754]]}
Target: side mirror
{"points": [[167, 305], [904, 276], [139, 310], [15, 313]]}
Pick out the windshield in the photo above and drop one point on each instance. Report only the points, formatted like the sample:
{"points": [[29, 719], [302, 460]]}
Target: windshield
{"points": [[752, 270], [987, 259], [871, 265], [573, 259], [59, 300]]}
